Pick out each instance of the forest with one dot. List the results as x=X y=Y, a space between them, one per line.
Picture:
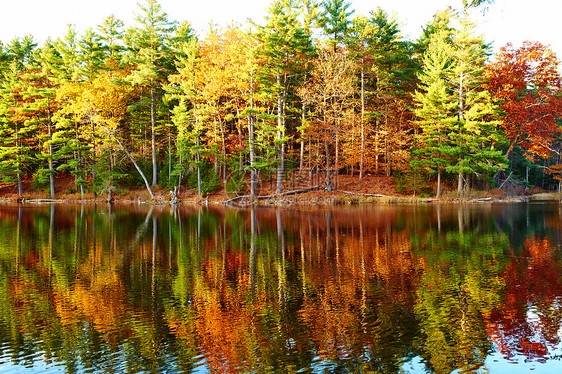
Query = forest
x=311 y=92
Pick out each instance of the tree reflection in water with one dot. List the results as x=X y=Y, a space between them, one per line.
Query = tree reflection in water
x=135 y=289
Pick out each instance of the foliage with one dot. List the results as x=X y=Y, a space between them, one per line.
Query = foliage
x=526 y=82
x=309 y=86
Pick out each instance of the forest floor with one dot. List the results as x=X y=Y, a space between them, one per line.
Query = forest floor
x=347 y=190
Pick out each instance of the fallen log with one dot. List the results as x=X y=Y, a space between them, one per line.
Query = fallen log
x=481 y=199
x=288 y=193
x=39 y=201
x=363 y=193
x=226 y=202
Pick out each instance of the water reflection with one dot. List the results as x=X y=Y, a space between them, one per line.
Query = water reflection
x=383 y=289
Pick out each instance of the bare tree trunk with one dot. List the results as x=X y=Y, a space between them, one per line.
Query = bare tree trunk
x=280 y=136
x=362 y=156
x=301 y=163
x=169 y=155
x=51 y=164
x=216 y=163
x=223 y=144
x=132 y=160
x=18 y=166
x=153 y=135
x=78 y=157
x=388 y=154
x=252 y=142
x=438 y=194
x=198 y=155
x=377 y=148
x=337 y=164
x=93 y=158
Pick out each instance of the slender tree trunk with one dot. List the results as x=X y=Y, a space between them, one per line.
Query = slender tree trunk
x=362 y=155
x=93 y=158
x=215 y=131
x=132 y=160
x=512 y=145
x=387 y=152
x=240 y=136
x=438 y=194
x=301 y=163
x=153 y=134
x=461 y=97
x=328 y=178
x=377 y=127
x=110 y=160
x=18 y=166
x=377 y=148
x=198 y=155
x=280 y=136
x=78 y=168
x=223 y=151
x=51 y=163
x=252 y=144
x=337 y=163
x=198 y=139
x=461 y=118
x=199 y=191
x=169 y=155
x=180 y=173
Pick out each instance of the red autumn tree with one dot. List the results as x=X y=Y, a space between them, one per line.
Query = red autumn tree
x=527 y=83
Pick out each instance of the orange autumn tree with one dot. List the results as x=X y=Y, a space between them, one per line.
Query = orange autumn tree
x=527 y=83
x=329 y=91
x=221 y=103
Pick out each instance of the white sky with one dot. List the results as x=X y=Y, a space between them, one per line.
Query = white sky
x=505 y=21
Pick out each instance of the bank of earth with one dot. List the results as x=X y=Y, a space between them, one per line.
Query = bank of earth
x=345 y=190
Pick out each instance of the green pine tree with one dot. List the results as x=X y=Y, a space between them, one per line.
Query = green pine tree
x=149 y=55
x=474 y=136
x=457 y=116
x=41 y=95
x=335 y=21
x=285 y=46
x=435 y=106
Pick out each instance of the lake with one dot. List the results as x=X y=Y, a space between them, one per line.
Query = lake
x=361 y=289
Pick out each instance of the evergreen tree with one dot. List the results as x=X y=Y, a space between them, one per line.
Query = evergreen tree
x=71 y=148
x=335 y=20
x=20 y=51
x=13 y=143
x=10 y=150
x=457 y=115
x=435 y=107
x=474 y=137
x=41 y=94
x=91 y=57
x=441 y=22
x=184 y=88
x=284 y=46
x=149 y=56
x=111 y=37
x=393 y=79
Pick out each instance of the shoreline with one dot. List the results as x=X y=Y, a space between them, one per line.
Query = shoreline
x=289 y=198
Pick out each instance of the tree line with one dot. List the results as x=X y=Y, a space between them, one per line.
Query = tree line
x=313 y=88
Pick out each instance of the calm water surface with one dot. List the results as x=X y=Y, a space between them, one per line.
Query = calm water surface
x=383 y=289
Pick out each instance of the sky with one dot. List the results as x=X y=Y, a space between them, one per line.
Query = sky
x=505 y=20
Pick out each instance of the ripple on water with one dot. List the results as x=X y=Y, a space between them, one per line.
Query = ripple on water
x=32 y=363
